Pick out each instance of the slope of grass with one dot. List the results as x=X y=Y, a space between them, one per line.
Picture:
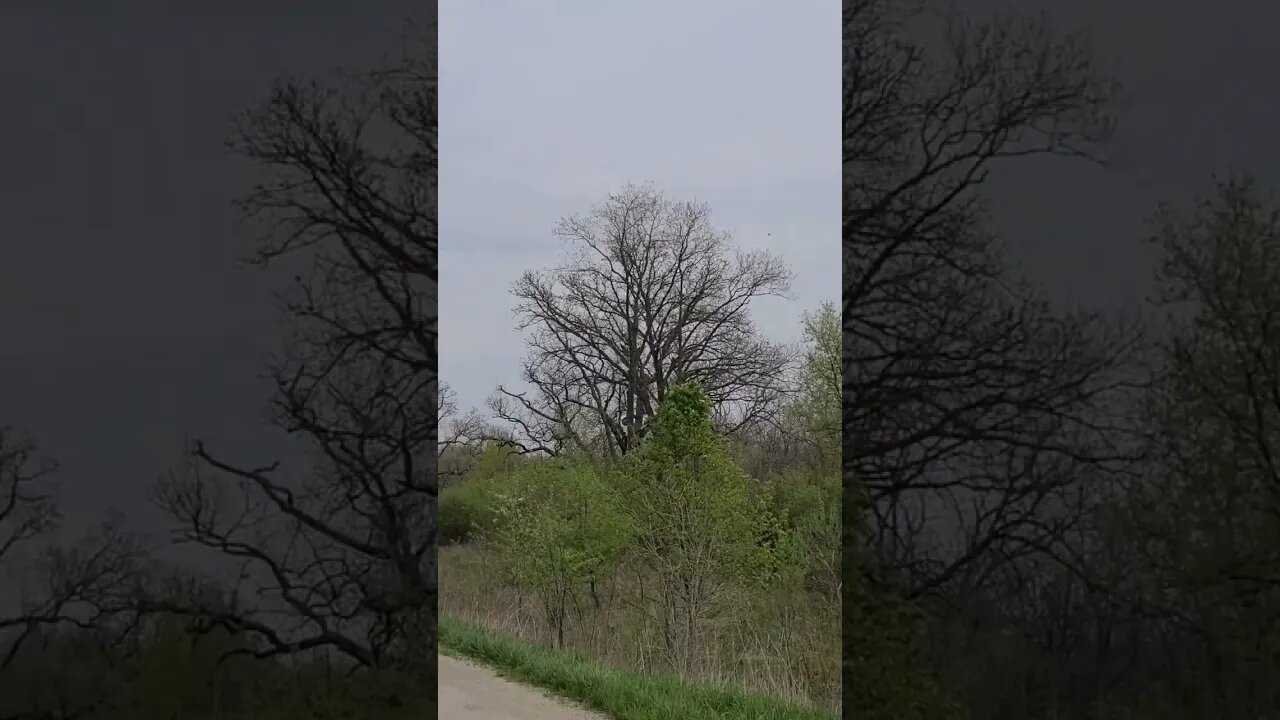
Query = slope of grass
x=620 y=695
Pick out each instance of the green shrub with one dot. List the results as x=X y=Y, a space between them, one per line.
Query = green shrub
x=809 y=503
x=466 y=510
x=560 y=527
x=703 y=527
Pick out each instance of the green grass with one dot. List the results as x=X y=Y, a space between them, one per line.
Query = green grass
x=619 y=695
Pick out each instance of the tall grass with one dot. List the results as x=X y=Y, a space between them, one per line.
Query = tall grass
x=620 y=694
x=786 y=645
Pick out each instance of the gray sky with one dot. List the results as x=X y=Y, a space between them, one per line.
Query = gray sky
x=546 y=108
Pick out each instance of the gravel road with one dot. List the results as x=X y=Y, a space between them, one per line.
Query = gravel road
x=472 y=692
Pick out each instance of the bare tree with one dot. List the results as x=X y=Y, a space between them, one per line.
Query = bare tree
x=649 y=297
x=461 y=437
x=27 y=507
x=346 y=547
x=86 y=594
x=964 y=393
x=983 y=428
x=27 y=511
x=353 y=199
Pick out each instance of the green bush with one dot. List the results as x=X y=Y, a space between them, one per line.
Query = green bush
x=466 y=510
x=560 y=527
x=703 y=527
x=809 y=503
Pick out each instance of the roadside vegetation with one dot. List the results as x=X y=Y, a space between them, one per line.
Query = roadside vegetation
x=617 y=694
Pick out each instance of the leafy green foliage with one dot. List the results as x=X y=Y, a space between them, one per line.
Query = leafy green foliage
x=466 y=510
x=702 y=526
x=817 y=406
x=558 y=525
x=703 y=568
x=497 y=458
x=809 y=505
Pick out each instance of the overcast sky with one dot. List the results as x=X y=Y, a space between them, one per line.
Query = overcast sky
x=125 y=324
x=544 y=112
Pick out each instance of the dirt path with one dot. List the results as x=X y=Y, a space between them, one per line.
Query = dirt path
x=472 y=692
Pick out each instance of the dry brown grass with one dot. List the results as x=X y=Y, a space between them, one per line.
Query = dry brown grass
x=787 y=646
